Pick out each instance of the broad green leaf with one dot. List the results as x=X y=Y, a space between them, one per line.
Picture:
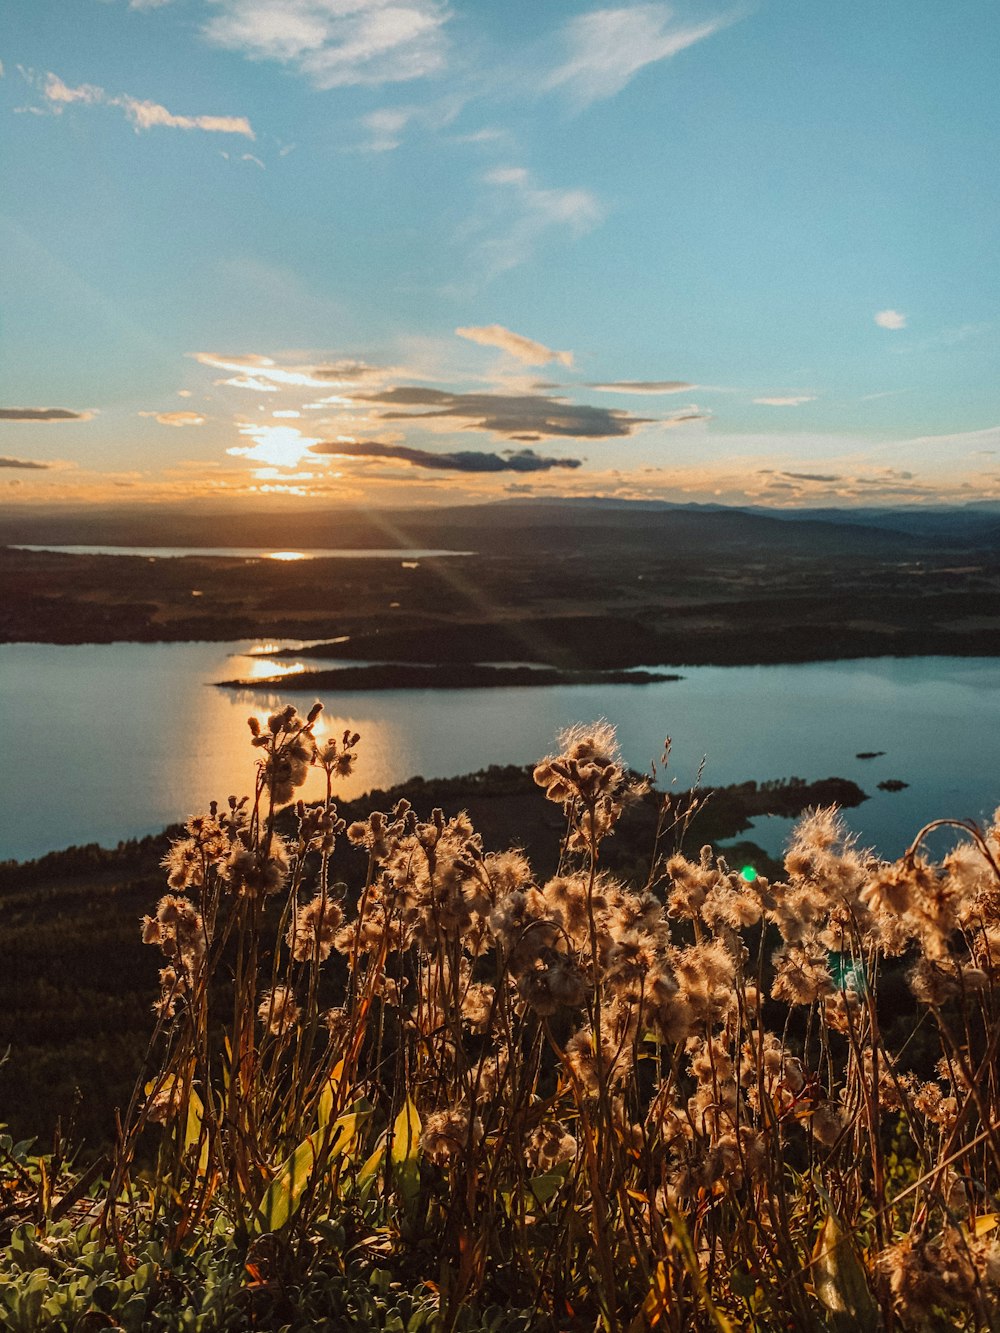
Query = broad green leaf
x=284 y=1194
x=343 y=1134
x=193 y=1130
x=328 y=1095
x=325 y=1108
x=840 y=1280
x=405 y=1150
x=657 y=1301
x=195 y=1116
x=370 y=1169
x=543 y=1188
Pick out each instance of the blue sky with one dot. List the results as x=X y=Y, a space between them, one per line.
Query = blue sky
x=409 y=251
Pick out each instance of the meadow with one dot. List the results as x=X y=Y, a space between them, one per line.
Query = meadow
x=398 y=1078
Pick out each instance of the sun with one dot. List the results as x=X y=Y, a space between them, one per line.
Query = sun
x=274 y=446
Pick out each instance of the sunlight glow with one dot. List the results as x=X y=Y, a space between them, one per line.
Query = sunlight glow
x=266 y=668
x=277 y=446
x=287 y=555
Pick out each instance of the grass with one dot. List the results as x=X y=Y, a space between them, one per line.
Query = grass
x=448 y=1093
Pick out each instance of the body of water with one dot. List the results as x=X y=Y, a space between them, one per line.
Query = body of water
x=116 y=740
x=249 y=552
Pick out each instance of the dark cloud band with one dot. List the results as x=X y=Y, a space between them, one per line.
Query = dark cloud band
x=42 y=414
x=24 y=463
x=512 y=415
x=466 y=460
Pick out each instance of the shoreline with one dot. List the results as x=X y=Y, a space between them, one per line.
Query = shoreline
x=724 y=813
x=986 y=645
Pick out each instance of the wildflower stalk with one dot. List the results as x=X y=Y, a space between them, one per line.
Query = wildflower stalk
x=624 y=1106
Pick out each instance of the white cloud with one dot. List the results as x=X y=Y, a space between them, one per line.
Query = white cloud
x=644 y=386
x=337 y=43
x=515 y=344
x=57 y=92
x=260 y=373
x=176 y=418
x=386 y=128
x=388 y=125
x=144 y=115
x=609 y=46
x=527 y=213
x=786 y=402
x=890 y=319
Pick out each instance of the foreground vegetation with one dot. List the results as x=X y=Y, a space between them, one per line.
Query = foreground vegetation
x=463 y=1095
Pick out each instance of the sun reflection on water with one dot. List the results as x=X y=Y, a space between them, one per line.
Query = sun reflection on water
x=265 y=668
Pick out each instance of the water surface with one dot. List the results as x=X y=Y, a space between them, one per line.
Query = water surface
x=250 y=552
x=116 y=740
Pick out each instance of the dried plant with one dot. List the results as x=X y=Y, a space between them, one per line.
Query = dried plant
x=705 y=1101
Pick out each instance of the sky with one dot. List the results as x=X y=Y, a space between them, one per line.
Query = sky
x=387 y=252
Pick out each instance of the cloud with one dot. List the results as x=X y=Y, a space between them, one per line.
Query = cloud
x=643 y=386
x=511 y=415
x=144 y=115
x=527 y=213
x=812 y=476
x=29 y=464
x=386 y=128
x=348 y=372
x=786 y=402
x=43 y=414
x=388 y=125
x=337 y=43
x=515 y=344
x=263 y=374
x=176 y=418
x=57 y=92
x=890 y=319
x=466 y=460
x=607 y=48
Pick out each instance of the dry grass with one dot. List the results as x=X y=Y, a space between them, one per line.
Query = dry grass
x=692 y=1103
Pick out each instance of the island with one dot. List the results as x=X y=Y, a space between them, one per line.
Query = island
x=451 y=676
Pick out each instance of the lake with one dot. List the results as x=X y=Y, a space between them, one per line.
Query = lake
x=112 y=741
x=249 y=552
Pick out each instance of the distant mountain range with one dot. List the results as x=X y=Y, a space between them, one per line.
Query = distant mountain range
x=558 y=522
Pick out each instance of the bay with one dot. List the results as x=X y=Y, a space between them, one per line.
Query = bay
x=111 y=741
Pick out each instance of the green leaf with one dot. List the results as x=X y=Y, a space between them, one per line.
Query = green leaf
x=328 y=1094
x=543 y=1188
x=284 y=1194
x=325 y=1108
x=840 y=1279
x=370 y=1169
x=405 y=1150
